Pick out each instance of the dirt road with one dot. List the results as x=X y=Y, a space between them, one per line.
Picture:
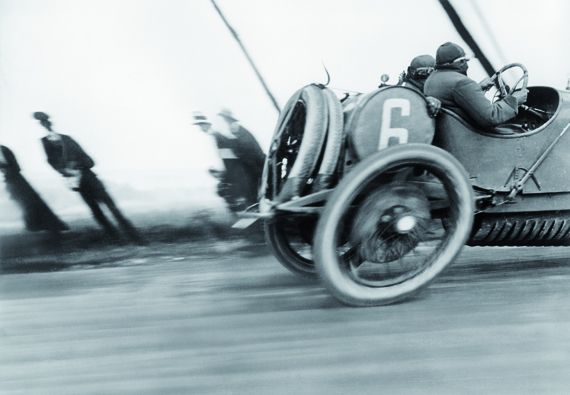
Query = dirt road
x=166 y=320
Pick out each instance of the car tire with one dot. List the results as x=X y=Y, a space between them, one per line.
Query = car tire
x=279 y=240
x=334 y=272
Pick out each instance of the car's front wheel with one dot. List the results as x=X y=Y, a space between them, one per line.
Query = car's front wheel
x=380 y=239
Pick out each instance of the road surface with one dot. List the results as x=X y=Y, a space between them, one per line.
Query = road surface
x=170 y=319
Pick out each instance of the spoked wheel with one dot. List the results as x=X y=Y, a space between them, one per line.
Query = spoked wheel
x=390 y=222
x=290 y=240
x=380 y=239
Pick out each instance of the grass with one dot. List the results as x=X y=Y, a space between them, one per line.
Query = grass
x=203 y=233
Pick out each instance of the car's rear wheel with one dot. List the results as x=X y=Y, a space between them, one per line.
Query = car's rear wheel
x=290 y=241
x=309 y=125
x=379 y=239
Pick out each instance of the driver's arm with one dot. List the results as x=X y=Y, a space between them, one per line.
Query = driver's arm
x=469 y=96
x=487 y=83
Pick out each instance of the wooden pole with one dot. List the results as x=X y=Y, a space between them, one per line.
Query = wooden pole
x=466 y=36
x=248 y=57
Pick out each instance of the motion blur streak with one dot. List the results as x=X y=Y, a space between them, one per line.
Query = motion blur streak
x=164 y=322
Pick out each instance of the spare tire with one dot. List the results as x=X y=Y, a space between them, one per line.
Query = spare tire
x=334 y=140
x=296 y=146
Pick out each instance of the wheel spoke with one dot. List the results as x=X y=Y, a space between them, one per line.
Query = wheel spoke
x=353 y=258
x=388 y=253
x=392 y=225
x=290 y=246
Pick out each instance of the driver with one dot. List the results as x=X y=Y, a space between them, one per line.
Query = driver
x=459 y=93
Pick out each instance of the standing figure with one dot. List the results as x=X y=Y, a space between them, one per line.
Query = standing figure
x=246 y=148
x=37 y=215
x=67 y=157
x=236 y=184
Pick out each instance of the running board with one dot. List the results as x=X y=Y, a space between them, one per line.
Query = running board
x=299 y=205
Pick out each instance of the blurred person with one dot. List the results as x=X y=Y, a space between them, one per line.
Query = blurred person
x=235 y=185
x=247 y=148
x=36 y=213
x=67 y=157
x=464 y=96
x=418 y=71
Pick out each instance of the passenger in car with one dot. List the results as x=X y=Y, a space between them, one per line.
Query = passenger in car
x=464 y=96
x=418 y=71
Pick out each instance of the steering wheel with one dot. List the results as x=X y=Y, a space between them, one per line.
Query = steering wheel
x=502 y=87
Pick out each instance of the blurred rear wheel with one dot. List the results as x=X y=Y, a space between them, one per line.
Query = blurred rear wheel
x=290 y=241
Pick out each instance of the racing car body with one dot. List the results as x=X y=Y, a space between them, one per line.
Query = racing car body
x=379 y=204
x=494 y=161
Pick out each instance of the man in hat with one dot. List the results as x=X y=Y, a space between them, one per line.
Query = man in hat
x=247 y=148
x=418 y=71
x=236 y=185
x=459 y=93
x=67 y=157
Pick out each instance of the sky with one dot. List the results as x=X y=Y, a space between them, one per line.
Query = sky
x=123 y=76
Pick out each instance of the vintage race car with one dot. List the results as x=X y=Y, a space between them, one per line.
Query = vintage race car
x=378 y=193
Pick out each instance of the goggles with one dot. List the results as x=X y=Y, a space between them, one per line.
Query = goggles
x=423 y=71
x=463 y=59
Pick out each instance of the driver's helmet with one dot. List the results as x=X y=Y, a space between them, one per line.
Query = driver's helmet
x=421 y=67
x=449 y=53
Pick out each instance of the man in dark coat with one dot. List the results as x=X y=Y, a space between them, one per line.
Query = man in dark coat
x=67 y=157
x=247 y=148
x=36 y=213
x=457 y=92
x=418 y=71
x=236 y=183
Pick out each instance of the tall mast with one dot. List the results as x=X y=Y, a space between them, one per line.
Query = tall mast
x=248 y=57
x=466 y=36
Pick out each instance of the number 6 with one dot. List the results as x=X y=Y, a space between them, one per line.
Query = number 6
x=386 y=131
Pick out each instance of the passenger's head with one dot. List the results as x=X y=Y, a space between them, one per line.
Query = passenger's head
x=452 y=56
x=421 y=67
x=202 y=121
x=43 y=118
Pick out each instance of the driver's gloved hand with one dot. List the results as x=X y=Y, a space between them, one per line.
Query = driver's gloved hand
x=487 y=83
x=521 y=96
